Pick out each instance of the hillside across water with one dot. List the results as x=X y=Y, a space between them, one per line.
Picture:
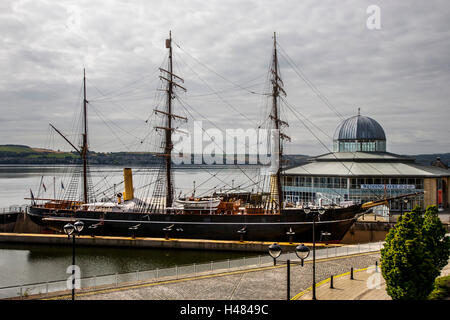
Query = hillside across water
x=21 y=154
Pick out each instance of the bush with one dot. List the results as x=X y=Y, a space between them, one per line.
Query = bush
x=441 y=289
x=414 y=254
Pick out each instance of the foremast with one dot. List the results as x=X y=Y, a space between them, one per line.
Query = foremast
x=276 y=192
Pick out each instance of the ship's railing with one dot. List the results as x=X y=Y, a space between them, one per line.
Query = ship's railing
x=14 y=208
x=47 y=289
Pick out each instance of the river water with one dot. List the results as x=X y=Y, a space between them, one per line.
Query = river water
x=23 y=264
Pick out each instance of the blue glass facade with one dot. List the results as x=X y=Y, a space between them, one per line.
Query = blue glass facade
x=307 y=189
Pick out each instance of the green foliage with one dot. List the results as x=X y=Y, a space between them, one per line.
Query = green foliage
x=413 y=255
x=441 y=289
x=434 y=236
x=15 y=148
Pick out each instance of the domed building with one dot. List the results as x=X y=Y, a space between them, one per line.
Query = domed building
x=360 y=170
x=359 y=133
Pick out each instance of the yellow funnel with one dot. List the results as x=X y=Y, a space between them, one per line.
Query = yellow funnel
x=128 y=182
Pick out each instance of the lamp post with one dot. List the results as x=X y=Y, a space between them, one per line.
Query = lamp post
x=406 y=204
x=302 y=253
x=73 y=229
x=315 y=213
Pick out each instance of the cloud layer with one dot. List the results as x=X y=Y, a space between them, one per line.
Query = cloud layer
x=399 y=75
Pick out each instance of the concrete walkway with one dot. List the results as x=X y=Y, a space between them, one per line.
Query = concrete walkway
x=260 y=283
x=367 y=284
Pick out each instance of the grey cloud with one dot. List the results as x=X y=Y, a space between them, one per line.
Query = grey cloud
x=398 y=75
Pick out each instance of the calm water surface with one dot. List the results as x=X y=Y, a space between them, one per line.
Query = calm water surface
x=22 y=264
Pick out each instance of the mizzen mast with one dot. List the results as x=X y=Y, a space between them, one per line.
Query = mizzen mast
x=84 y=147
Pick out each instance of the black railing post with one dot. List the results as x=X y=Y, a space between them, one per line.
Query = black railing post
x=73 y=267
x=288 y=279
x=314 y=256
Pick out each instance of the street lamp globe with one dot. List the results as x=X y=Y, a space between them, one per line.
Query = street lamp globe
x=274 y=250
x=302 y=251
x=68 y=229
x=79 y=225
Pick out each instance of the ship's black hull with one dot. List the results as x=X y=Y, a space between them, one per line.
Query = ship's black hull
x=9 y=217
x=268 y=227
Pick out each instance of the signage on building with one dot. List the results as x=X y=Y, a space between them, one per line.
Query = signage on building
x=388 y=186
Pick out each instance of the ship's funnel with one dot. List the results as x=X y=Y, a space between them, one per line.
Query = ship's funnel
x=128 y=182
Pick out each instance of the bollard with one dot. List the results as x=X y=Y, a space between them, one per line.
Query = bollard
x=376 y=266
x=331 y=282
x=117 y=279
x=351 y=273
x=195 y=269
x=288 y=279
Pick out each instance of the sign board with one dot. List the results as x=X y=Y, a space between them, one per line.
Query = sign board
x=388 y=186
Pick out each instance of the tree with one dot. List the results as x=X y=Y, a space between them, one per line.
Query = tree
x=407 y=263
x=434 y=237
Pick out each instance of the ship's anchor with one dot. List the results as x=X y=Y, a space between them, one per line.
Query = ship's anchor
x=290 y=233
x=134 y=228
x=325 y=236
x=242 y=232
x=93 y=227
x=167 y=230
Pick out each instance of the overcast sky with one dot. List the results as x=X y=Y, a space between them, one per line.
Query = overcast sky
x=398 y=75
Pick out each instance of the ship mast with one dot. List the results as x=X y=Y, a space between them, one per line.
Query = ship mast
x=277 y=87
x=169 y=77
x=84 y=147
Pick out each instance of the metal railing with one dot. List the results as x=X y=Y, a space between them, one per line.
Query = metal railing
x=114 y=280
x=14 y=208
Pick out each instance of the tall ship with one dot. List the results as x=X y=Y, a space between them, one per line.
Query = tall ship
x=262 y=215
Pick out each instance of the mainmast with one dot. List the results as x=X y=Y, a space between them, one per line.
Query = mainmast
x=170 y=77
x=277 y=87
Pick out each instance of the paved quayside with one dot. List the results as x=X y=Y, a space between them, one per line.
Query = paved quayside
x=258 y=283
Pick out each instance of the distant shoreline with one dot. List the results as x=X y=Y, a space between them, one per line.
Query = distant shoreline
x=25 y=155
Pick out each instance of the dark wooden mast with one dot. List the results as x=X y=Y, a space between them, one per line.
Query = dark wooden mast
x=170 y=77
x=84 y=147
x=169 y=146
x=277 y=87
